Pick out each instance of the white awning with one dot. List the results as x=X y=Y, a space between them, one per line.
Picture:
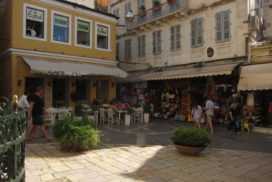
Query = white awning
x=205 y=70
x=256 y=77
x=66 y=68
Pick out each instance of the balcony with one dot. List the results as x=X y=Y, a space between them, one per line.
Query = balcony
x=157 y=13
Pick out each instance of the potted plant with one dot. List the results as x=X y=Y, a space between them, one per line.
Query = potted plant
x=142 y=10
x=171 y=2
x=128 y=116
x=147 y=110
x=190 y=140
x=157 y=6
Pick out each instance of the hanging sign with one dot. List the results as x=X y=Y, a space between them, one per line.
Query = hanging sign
x=61 y=21
x=34 y=14
x=102 y=30
x=83 y=26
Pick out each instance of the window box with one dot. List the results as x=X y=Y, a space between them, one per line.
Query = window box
x=157 y=8
x=142 y=13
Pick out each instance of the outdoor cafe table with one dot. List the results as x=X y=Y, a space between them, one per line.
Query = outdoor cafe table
x=119 y=115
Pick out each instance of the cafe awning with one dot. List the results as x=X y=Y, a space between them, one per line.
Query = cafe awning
x=201 y=70
x=256 y=77
x=69 y=68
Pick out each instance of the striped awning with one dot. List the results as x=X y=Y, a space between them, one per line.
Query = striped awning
x=256 y=77
x=191 y=72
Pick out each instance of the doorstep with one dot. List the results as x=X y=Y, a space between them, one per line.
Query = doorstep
x=262 y=130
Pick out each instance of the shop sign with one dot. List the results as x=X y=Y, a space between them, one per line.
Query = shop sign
x=83 y=26
x=56 y=72
x=102 y=30
x=61 y=21
x=34 y=14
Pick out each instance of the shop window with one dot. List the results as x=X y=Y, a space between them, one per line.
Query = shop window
x=83 y=32
x=81 y=89
x=61 y=28
x=34 y=22
x=102 y=36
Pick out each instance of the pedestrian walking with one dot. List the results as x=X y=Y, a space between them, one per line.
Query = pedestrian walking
x=197 y=113
x=235 y=115
x=36 y=111
x=209 y=111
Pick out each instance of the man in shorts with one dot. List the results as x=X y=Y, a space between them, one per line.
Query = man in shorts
x=35 y=112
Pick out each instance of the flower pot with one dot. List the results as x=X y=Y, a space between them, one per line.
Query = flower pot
x=146 y=117
x=157 y=8
x=188 y=150
x=127 y=120
x=142 y=13
x=171 y=2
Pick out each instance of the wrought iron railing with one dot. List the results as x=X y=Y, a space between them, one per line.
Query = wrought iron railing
x=156 y=13
x=13 y=126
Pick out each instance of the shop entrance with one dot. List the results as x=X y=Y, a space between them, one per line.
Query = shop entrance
x=103 y=90
x=263 y=112
x=59 y=92
x=32 y=83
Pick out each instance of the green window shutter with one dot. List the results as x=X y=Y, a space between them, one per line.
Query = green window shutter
x=226 y=25
x=139 y=47
x=199 y=31
x=172 y=38
x=218 y=19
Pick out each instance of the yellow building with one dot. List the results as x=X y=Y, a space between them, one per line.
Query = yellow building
x=66 y=48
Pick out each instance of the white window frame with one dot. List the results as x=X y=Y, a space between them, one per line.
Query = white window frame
x=53 y=12
x=202 y=32
x=90 y=22
x=45 y=22
x=222 y=26
x=109 y=37
x=157 y=42
x=175 y=39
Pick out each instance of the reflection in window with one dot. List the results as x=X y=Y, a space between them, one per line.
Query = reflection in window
x=102 y=37
x=34 y=23
x=61 y=28
x=83 y=33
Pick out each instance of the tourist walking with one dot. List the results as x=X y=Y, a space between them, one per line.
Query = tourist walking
x=209 y=108
x=36 y=111
x=235 y=115
x=197 y=113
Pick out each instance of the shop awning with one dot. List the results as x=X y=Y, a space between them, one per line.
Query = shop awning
x=65 y=68
x=256 y=77
x=132 y=77
x=191 y=72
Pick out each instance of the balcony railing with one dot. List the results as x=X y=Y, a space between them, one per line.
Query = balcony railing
x=156 y=13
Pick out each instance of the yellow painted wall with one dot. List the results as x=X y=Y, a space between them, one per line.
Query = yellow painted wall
x=5 y=31
x=261 y=54
x=47 y=46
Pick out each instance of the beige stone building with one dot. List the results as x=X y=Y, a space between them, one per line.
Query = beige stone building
x=182 y=43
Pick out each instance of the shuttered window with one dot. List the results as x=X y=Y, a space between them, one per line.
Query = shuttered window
x=116 y=12
x=157 y=42
x=127 y=8
x=222 y=23
x=118 y=51
x=197 y=29
x=141 y=46
x=175 y=38
x=127 y=49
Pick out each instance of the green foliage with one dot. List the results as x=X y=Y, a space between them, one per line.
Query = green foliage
x=190 y=136
x=80 y=138
x=79 y=110
x=130 y=110
x=76 y=135
x=157 y=3
x=147 y=108
x=142 y=8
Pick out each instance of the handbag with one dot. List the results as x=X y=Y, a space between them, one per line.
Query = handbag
x=190 y=117
x=202 y=120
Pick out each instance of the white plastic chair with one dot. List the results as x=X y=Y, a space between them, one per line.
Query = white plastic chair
x=138 y=115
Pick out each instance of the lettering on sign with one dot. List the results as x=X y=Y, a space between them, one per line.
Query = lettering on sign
x=34 y=14
x=62 y=73
x=102 y=30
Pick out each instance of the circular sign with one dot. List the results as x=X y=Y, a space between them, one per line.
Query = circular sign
x=210 y=52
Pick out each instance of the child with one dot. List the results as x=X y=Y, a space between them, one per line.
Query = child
x=197 y=113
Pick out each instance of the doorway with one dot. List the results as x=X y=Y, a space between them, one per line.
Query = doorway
x=59 y=92
x=32 y=83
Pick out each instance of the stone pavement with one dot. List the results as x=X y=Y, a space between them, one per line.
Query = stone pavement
x=144 y=154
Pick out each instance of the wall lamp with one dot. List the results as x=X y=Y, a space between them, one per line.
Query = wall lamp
x=49 y=83
x=94 y=84
x=112 y=84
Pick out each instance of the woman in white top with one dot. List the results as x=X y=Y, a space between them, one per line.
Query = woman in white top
x=23 y=102
x=197 y=113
